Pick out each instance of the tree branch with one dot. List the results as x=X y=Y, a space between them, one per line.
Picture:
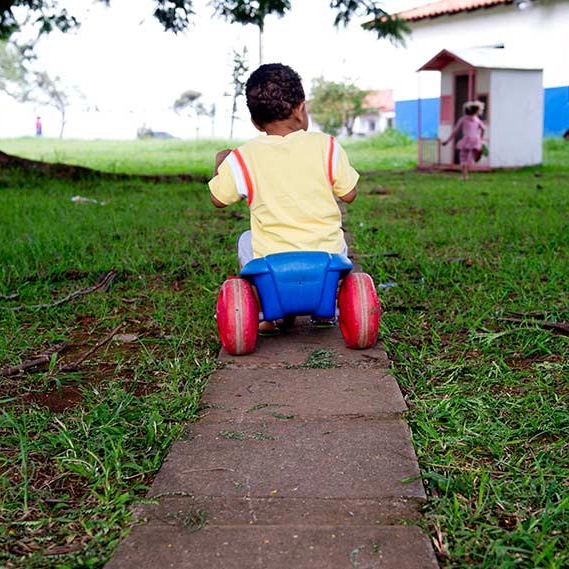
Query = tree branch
x=41 y=359
x=45 y=357
x=561 y=327
x=75 y=365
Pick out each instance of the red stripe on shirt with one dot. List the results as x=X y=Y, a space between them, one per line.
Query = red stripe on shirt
x=330 y=161
x=246 y=175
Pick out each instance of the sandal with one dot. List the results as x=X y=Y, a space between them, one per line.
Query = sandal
x=268 y=328
x=323 y=322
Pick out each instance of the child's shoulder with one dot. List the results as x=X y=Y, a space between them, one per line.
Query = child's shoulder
x=319 y=134
x=317 y=137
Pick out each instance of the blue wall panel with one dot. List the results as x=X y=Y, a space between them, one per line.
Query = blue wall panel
x=407 y=121
x=556 y=111
x=555 y=114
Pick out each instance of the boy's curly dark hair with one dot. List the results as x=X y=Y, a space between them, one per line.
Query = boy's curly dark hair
x=273 y=91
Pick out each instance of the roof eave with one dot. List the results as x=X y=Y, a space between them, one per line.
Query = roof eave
x=435 y=63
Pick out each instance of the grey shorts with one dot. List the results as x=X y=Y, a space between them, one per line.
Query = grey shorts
x=245 y=248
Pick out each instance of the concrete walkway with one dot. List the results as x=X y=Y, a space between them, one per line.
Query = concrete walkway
x=301 y=459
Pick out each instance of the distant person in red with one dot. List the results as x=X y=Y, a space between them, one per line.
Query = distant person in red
x=38 y=126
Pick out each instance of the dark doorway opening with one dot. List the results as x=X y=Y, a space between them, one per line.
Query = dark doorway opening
x=460 y=97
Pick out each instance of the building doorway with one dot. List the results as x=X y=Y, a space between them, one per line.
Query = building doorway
x=461 y=90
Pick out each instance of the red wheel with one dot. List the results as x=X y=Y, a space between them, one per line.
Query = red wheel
x=360 y=311
x=237 y=316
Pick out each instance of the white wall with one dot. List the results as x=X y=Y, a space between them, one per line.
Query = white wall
x=539 y=34
x=515 y=127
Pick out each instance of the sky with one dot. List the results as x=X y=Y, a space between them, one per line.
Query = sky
x=127 y=71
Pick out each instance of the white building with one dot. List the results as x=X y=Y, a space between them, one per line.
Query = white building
x=380 y=115
x=512 y=94
x=537 y=35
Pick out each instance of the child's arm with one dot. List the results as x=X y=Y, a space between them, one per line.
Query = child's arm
x=350 y=196
x=454 y=132
x=216 y=202
x=219 y=158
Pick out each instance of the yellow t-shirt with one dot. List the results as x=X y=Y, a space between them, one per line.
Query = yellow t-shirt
x=290 y=183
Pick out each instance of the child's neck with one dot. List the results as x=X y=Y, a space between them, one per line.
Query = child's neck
x=282 y=128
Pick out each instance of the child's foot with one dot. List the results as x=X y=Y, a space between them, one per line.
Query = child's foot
x=318 y=322
x=268 y=328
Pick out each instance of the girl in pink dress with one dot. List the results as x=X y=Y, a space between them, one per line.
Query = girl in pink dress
x=472 y=130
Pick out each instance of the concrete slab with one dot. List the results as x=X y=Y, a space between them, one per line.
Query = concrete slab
x=353 y=458
x=238 y=395
x=270 y=547
x=233 y=511
x=298 y=345
x=301 y=459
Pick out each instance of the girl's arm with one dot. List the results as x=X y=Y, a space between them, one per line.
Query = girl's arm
x=454 y=132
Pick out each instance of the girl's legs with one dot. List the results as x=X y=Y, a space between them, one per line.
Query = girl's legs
x=465 y=160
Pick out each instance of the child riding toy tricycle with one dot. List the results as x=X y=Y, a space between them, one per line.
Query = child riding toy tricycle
x=311 y=283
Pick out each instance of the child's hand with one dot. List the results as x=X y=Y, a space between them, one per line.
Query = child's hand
x=219 y=158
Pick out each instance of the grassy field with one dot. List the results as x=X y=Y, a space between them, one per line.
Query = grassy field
x=472 y=276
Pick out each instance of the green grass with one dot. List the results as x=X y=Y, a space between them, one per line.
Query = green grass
x=471 y=273
x=489 y=396
x=145 y=156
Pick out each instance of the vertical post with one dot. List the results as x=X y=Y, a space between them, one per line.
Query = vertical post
x=419 y=144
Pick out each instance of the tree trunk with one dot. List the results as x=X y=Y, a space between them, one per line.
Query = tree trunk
x=62 y=124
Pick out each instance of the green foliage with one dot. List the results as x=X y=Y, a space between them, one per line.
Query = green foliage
x=186 y=100
x=47 y=15
x=50 y=91
x=382 y=23
x=247 y=12
x=334 y=106
x=239 y=81
x=13 y=70
x=176 y=15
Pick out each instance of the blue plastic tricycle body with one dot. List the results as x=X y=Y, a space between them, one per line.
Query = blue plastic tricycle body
x=297 y=283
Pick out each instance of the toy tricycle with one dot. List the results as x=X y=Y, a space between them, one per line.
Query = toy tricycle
x=297 y=284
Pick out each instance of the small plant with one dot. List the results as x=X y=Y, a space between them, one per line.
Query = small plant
x=192 y=520
x=321 y=359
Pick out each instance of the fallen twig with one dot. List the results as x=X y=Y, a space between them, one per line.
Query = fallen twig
x=103 y=283
x=45 y=357
x=534 y=315
x=561 y=327
x=9 y=296
x=41 y=359
x=75 y=365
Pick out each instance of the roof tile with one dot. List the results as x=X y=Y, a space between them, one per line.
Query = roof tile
x=446 y=7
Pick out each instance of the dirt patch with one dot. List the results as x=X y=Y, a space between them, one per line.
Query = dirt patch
x=56 y=400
